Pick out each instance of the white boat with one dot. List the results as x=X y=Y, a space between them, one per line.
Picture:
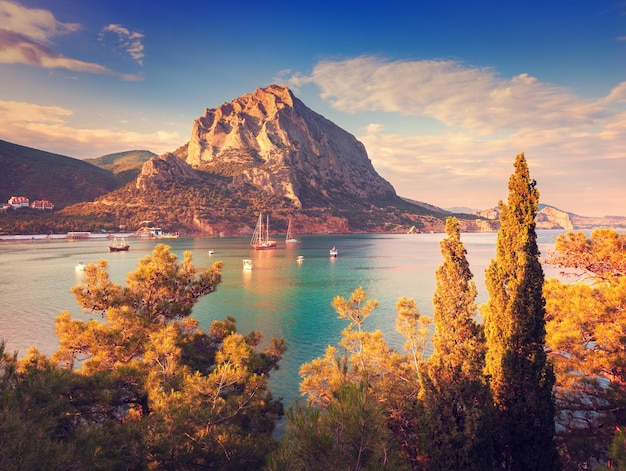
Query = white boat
x=290 y=238
x=211 y=252
x=333 y=252
x=247 y=264
x=167 y=235
x=80 y=266
x=300 y=259
x=261 y=237
x=78 y=235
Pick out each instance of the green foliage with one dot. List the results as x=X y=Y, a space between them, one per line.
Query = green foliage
x=123 y=161
x=458 y=415
x=362 y=400
x=126 y=166
x=585 y=336
x=44 y=420
x=602 y=257
x=520 y=375
x=350 y=434
x=143 y=388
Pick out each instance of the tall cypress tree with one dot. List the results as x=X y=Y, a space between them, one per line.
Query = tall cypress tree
x=457 y=400
x=521 y=377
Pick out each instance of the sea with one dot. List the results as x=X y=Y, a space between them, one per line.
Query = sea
x=280 y=297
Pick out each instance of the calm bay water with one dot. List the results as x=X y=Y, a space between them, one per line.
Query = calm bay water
x=280 y=297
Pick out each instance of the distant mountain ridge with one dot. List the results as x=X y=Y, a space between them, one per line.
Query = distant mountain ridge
x=262 y=152
x=549 y=217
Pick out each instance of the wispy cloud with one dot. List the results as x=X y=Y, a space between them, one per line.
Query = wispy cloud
x=47 y=127
x=486 y=120
x=26 y=37
x=129 y=41
x=455 y=94
x=37 y=24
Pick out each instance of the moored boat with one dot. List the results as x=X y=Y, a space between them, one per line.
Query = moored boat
x=290 y=239
x=80 y=266
x=247 y=264
x=300 y=259
x=118 y=245
x=261 y=237
x=168 y=235
x=73 y=235
x=333 y=252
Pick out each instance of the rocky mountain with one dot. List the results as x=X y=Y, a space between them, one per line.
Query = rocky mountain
x=164 y=169
x=549 y=217
x=263 y=152
x=270 y=139
x=267 y=152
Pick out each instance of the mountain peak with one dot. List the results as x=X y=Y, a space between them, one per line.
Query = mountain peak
x=281 y=92
x=270 y=139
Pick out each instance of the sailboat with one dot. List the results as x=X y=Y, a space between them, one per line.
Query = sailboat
x=118 y=245
x=290 y=239
x=261 y=237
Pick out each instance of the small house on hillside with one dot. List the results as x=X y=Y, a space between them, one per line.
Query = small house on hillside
x=18 y=202
x=42 y=205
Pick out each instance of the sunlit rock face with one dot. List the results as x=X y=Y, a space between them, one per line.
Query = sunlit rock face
x=552 y=218
x=271 y=139
x=165 y=168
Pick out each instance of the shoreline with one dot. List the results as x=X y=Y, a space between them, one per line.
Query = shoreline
x=46 y=237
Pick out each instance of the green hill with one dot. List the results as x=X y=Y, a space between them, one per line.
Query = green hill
x=126 y=166
x=60 y=179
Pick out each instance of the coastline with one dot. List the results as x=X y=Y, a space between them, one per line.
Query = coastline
x=46 y=237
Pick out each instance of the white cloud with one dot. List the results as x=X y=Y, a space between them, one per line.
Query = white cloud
x=617 y=95
x=36 y=24
x=374 y=128
x=129 y=41
x=46 y=128
x=574 y=146
x=26 y=38
x=457 y=95
x=18 y=49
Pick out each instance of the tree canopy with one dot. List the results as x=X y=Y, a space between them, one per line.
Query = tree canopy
x=143 y=387
x=521 y=378
x=586 y=331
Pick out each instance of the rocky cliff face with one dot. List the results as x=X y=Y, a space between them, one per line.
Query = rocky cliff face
x=165 y=168
x=552 y=218
x=271 y=139
x=549 y=217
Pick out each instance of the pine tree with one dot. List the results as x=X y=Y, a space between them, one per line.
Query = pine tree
x=456 y=396
x=585 y=339
x=161 y=393
x=520 y=376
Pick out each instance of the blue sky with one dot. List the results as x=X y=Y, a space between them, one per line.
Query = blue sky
x=443 y=94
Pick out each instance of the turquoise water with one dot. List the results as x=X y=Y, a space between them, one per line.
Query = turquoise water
x=279 y=297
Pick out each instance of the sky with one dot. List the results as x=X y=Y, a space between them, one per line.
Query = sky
x=443 y=94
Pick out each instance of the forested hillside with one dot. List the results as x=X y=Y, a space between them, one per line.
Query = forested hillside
x=42 y=175
x=124 y=165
